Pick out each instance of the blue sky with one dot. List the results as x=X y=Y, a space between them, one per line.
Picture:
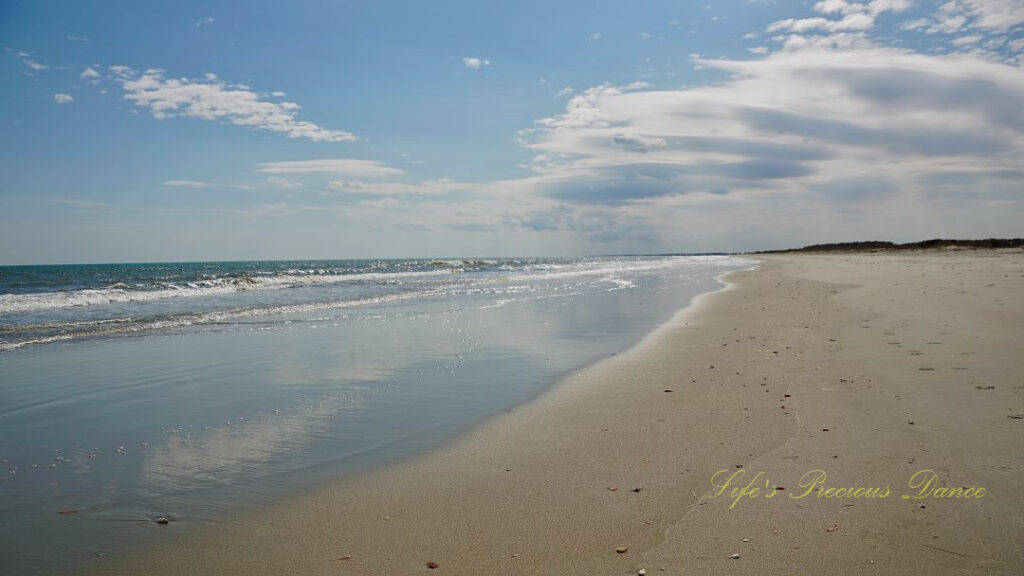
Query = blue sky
x=138 y=131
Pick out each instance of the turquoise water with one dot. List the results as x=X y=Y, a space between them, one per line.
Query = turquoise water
x=192 y=391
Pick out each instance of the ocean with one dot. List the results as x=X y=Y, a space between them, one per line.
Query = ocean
x=134 y=393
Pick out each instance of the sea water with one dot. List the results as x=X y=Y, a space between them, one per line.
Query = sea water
x=190 y=391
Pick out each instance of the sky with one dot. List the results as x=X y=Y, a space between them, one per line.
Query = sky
x=157 y=131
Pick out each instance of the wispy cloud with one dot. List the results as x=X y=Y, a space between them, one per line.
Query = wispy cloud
x=204 y=22
x=567 y=91
x=195 y=184
x=77 y=38
x=798 y=128
x=844 y=24
x=283 y=183
x=348 y=167
x=63 y=98
x=853 y=16
x=90 y=75
x=430 y=187
x=199 y=184
x=998 y=15
x=474 y=63
x=213 y=99
x=974 y=19
x=88 y=204
x=32 y=64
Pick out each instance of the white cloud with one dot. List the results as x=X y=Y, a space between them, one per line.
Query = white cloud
x=637 y=143
x=475 y=63
x=73 y=202
x=90 y=75
x=205 y=22
x=855 y=21
x=63 y=98
x=855 y=18
x=878 y=6
x=594 y=37
x=994 y=14
x=77 y=38
x=564 y=92
x=198 y=184
x=430 y=187
x=187 y=184
x=348 y=167
x=954 y=16
x=122 y=72
x=967 y=40
x=381 y=203
x=916 y=24
x=35 y=66
x=951 y=18
x=873 y=7
x=834 y=6
x=760 y=50
x=791 y=135
x=215 y=100
x=283 y=183
x=831 y=136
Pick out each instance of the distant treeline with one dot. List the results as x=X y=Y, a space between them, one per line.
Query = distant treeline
x=878 y=246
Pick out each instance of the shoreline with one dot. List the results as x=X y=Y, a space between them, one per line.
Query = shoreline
x=771 y=373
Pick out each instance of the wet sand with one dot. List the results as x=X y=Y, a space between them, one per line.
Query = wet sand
x=869 y=367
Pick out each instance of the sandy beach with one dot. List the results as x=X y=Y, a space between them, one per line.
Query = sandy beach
x=869 y=368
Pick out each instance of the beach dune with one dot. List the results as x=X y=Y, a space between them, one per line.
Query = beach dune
x=804 y=376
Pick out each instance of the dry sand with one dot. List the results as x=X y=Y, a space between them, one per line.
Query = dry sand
x=910 y=361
